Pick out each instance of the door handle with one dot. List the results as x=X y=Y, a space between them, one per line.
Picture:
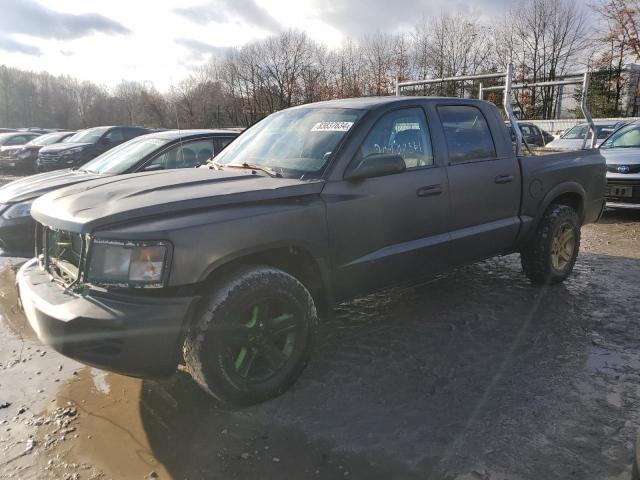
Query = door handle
x=429 y=191
x=504 y=179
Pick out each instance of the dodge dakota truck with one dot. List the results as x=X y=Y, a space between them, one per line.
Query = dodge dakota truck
x=227 y=268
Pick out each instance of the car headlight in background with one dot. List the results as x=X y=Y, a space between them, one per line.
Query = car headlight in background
x=17 y=210
x=71 y=151
x=115 y=262
x=24 y=154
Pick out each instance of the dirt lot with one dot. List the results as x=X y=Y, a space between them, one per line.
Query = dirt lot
x=475 y=375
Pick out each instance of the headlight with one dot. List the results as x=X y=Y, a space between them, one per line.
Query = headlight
x=23 y=155
x=17 y=210
x=71 y=151
x=120 y=263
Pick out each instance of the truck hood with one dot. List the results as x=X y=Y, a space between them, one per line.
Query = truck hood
x=621 y=156
x=569 y=143
x=60 y=147
x=36 y=185
x=107 y=201
x=11 y=148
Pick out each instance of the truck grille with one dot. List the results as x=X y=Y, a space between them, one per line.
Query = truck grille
x=45 y=158
x=63 y=254
x=631 y=168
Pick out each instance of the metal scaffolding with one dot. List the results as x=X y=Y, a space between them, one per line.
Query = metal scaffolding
x=508 y=88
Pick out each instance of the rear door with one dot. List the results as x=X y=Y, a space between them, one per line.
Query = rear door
x=484 y=183
x=391 y=229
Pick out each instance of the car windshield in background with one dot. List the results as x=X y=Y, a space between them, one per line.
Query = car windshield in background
x=579 y=131
x=123 y=157
x=626 y=137
x=91 y=135
x=47 y=139
x=4 y=137
x=295 y=143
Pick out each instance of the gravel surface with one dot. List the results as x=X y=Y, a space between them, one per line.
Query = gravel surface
x=474 y=375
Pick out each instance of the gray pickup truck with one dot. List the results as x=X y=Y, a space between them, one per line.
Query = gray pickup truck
x=228 y=267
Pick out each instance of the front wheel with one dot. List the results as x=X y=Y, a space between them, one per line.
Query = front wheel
x=552 y=252
x=253 y=337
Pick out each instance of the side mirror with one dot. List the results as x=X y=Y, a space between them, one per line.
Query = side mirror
x=105 y=141
x=153 y=167
x=377 y=165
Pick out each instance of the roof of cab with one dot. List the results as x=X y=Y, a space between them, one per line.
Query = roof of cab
x=371 y=103
x=176 y=134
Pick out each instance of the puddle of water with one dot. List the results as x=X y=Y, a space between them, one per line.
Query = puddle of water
x=9 y=310
x=111 y=435
x=100 y=381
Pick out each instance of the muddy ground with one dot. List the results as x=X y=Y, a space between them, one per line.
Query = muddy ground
x=475 y=375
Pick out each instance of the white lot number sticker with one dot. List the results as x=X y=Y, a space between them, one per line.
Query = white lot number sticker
x=332 y=126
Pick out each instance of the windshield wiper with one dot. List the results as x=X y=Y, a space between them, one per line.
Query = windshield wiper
x=251 y=166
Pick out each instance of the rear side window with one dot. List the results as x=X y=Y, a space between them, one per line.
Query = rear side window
x=130 y=133
x=186 y=155
x=115 y=135
x=467 y=132
x=221 y=142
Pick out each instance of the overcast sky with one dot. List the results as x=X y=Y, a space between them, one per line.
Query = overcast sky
x=158 y=40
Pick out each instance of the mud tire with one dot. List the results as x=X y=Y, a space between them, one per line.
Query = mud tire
x=536 y=257
x=206 y=356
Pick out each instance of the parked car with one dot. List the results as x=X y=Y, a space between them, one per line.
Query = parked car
x=158 y=151
x=573 y=138
x=23 y=157
x=84 y=146
x=622 y=154
x=533 y=135
x=225 y=267
x=7 y=130
x=10 y=139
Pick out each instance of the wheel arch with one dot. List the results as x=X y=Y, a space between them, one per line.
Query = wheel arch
x=571 y=194
x=296 y=260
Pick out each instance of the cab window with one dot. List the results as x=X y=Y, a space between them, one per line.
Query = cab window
x=467 y=132
x=403 y=132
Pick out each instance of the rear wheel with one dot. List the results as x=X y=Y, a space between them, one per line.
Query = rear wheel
x=552 y=252
x=254 y=336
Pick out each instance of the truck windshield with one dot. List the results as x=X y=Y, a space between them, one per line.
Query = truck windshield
x=295 y=143
x=47 y=139
x=91 y=135
x=123 y=157
x=579 y=131
x=626 y=137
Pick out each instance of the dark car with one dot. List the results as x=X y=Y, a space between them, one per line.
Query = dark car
x=225 y=267
x=158 y=151
x=533 y=135
x=84 y=146
x=39 y=130
x=23 y=157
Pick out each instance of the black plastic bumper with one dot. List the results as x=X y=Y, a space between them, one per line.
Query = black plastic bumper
x=133 y=335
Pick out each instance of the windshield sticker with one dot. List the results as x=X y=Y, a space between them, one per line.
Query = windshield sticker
x=332 y=126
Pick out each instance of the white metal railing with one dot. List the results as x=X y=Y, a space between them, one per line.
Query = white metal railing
x=509 y=86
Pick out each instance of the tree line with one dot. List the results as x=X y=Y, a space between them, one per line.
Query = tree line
x=543 y=39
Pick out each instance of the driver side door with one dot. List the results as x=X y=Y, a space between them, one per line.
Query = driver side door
x=390 y=229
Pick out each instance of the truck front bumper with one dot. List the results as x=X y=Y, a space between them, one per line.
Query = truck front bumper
x=134 y=335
